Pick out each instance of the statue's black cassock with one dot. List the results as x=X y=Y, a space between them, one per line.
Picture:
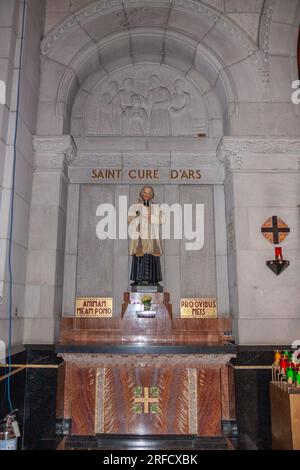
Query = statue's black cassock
x=146 y=270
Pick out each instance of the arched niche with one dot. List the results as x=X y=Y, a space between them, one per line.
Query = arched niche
x=189 y=36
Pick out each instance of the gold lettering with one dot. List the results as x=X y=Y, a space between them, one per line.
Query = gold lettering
x=132 y=174
x=198 y=307
x=94 y=307
x=184 y=174
x=108 y=173
x=174 y=174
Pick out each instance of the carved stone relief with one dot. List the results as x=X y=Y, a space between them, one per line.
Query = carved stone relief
x=146 y=100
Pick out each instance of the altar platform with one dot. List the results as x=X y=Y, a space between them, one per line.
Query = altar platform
x=149 y=377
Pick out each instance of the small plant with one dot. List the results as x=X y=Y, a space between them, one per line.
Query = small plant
x=146 y=301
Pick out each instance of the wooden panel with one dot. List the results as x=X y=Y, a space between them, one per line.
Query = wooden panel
x=227 y=393
x=119 y=417
x=295 y=420
x=285 y=418
x=156 y=328
x=209 y=402
x=182 y=424
x=101 y=400
x=162 y=328
x=83 y=400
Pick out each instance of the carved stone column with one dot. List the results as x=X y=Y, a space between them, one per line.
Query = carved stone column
x=45 y=263
x=262 y=180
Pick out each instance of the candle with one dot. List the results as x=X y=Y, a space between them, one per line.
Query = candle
x=283 y=364
x=290 y=375
x=277 y=357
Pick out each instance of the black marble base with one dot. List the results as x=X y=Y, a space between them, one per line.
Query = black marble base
x=253 y=395
x=137 y=442
x=33 y=393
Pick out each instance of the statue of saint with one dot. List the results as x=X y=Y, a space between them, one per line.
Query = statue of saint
x=146 y=248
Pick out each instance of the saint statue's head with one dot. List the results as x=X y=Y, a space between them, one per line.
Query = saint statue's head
x=147 y=193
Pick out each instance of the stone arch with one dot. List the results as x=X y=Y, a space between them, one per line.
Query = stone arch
x=187 y=35
x=216 y=85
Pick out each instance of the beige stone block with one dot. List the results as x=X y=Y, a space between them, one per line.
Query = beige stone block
x=52 y=73
x=285 y=11
x=224 y=45
x=111 y=21
x=40 y=330
x=57 y=6
x=52 y=20
x=7 y=12
x=17 y=331
x=140 y=16
x=48 y=122
x=249 y=22
x=243 y=6
x=41 y=267
x=147 y=47
x=44 y=228
x=267 y=331
x=280 y=39
x=69 y=290
x=7 y=42
x=184 y=20
x=46 y=189
x=246 y=80
x=178 y=53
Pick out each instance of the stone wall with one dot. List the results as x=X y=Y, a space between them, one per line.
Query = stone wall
x=262 y=180
x=10 y=32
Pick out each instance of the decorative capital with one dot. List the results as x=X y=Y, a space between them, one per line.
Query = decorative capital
x=229 y=157
x=54 y=144
x=241 y=153
x=246 y=146
x=53 y=152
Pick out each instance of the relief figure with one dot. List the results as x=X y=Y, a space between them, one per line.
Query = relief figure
x=134 y=118
x=159 y=100
x=182 y=122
